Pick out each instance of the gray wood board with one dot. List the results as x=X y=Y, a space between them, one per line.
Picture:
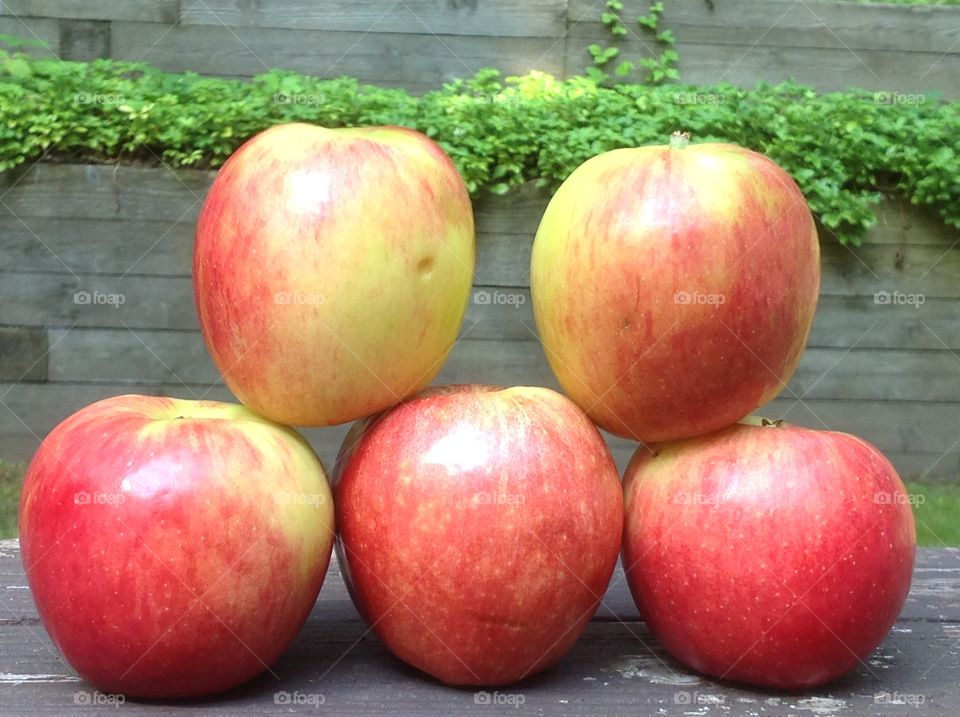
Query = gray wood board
x=147 y=356
x=37 y=30
x=160 y=11
x=416 y=62
x=920 y=438
x=809 y=25
x=615 y=668
x=826 y=69
x=533 y=18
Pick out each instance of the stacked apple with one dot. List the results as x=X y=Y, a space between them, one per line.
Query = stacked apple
x=674 y=288
x=175 y=548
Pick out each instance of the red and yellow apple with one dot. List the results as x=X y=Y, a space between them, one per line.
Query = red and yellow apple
x=332 y=269
x=674 y=286
x=478 y=529
x=768 y=554
x=174 y=548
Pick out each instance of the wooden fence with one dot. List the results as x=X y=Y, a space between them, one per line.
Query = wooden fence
x=96 y=300
x=418 y=44
x=74 y=236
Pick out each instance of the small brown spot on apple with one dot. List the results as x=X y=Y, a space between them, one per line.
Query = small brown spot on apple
x=425 y=265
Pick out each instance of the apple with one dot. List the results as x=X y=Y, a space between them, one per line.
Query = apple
x=768 y=554
x=478 y=529
x=174 y=548
x=332 y=269
x=674 y=286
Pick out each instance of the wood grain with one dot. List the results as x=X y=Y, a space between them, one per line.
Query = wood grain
x=160 y=11
x=616 y=668
x=499 y=18
x=378 y=55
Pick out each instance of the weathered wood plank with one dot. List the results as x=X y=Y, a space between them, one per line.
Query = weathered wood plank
x=919 y=437
x=90 y=191
x=130 y=356
x=381 y=57
x=616 y=668
x=782 y=23
x=902 y=223
x=33 y=29
x=23 y=353
x=96 y=246
x=494 y=312
x=84 y=40
x=893 y=426
x=911 y=276
x=162 y=11
x=825 y=69
x=930 y=270
x=107 y=300
x=56 y=192
x=28 y=411
x=934 y=592
x=82 y=355
x=156 y=247
x=516 y=212
x=499 y=18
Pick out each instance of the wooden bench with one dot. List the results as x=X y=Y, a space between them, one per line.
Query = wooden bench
x=337 y=666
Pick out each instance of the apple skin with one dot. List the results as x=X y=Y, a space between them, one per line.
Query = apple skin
x=173 y=548
x=478 y=529
x=771 y=555
x=332 y=269
x=699 y=262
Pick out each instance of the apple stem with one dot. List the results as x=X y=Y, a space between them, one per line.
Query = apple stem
x=679 y=140
x=775 y=423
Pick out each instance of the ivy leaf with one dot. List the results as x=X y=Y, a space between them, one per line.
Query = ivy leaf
x=16 y=67
x=624 y=69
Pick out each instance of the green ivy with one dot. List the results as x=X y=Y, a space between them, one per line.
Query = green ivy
x=843 y=149
x=660 y=68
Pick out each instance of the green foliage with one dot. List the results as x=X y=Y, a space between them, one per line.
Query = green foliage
x=842 y=148
x=936 y=508
x=660 y=68
x=11 y=477
x=903 y=2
